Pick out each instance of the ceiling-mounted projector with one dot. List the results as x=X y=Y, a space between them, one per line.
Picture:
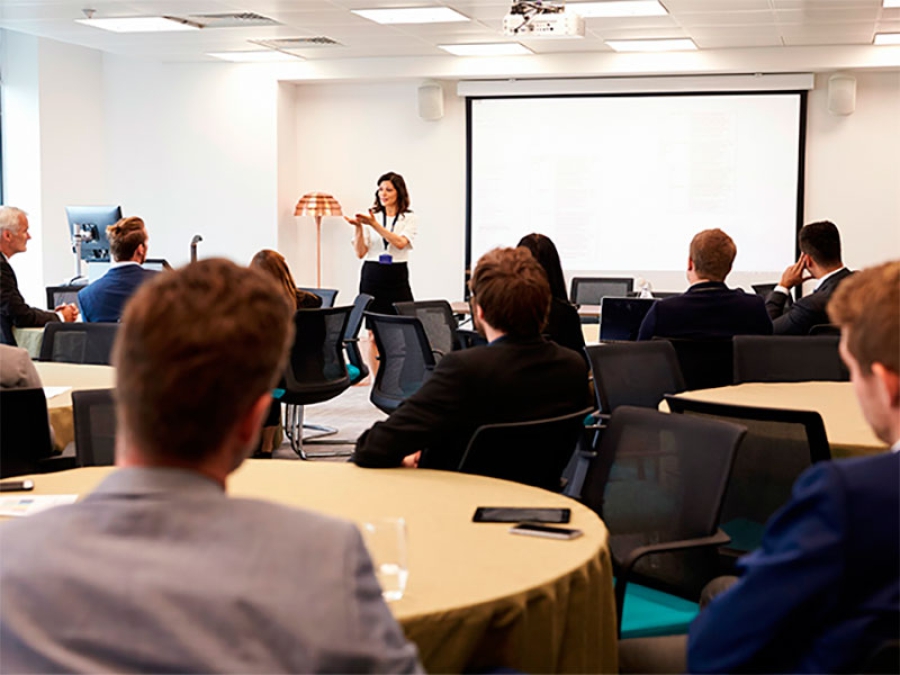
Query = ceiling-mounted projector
x=542 y=18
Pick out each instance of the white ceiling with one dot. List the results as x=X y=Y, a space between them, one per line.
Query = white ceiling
x=712 y=24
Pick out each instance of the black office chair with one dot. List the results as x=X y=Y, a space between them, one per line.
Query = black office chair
x=592 y=290
x=26 y=445
x=405 y=359
x=634 y=373
x=316 y=372
x=534 y=452
x=351 y=338
x=658 y=483
x=705 y=364
x=328 y=295
x=788 y=358
x=438 y=321
x=825 y=329
x=95 y=427
x=62 y=295
x=89 y=343
x=779 y=446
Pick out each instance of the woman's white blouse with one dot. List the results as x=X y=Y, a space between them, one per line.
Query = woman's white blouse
x=407 y=226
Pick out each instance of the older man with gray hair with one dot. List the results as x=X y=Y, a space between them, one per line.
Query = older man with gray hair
x=14 y=311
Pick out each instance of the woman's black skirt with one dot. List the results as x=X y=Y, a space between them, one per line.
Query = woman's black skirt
x=387 y=284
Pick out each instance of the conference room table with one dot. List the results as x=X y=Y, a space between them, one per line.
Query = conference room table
x=477 y=596
x=76 y=377
x=848 y=432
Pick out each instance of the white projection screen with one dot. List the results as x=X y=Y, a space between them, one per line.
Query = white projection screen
x=622 y=183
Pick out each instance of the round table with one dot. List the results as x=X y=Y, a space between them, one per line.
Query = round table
x=477 y=595
x=76 y=376
x=848 y=432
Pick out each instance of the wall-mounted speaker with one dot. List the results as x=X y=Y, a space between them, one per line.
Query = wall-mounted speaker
x=431 y=101
x=841 y=94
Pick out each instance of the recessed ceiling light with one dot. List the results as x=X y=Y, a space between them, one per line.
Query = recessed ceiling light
x=487 y=49
x=411 y=15
x=683 y=44
x=887 y=38
x=613 y=8
x=139 y=24
x=891 y=3
x=255 y=56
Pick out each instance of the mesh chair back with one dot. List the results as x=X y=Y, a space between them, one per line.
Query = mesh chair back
x=787 y=358
x=95 y=427
x=62 y=295
x=328 y=295
x=704 y=364
x=24 y=431
x=438 y=321
x=660 y=478
x=406 y=360
x=534 y=453
x=89 y=343
x=634 y=373
x=592 y=290
x=316 y=370
x=779 y=446
x=351 y=336
x=825 y=329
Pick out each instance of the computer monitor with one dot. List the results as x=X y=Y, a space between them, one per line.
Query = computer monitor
x=620 y=318
x=91 y=223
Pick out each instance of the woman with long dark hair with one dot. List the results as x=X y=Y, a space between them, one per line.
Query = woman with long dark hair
x=563 y=324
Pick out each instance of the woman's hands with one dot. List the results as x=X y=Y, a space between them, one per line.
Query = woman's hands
x=361 y=219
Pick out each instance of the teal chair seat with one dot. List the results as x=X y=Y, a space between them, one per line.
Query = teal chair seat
x=651 y=613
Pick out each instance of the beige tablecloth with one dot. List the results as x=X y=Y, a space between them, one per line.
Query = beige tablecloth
x=30 y=340
x=848 y=432
x=77 y=377
x=477 y=595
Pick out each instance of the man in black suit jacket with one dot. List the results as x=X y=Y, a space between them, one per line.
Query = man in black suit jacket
x=14 y=311
x=708 y=309
x=518 y=376
x=820 y=246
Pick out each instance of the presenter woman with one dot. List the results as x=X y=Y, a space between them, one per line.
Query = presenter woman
x=384 y=237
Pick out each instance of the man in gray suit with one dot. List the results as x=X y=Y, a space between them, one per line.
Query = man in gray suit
x=158 y=570
x=820 y=258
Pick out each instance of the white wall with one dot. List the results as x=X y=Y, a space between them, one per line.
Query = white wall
x=192 y=149
x=347 y=136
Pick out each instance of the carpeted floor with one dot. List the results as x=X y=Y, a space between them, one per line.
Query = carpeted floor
x=351 y=413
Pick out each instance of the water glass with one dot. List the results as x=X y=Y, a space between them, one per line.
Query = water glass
x=386 y=540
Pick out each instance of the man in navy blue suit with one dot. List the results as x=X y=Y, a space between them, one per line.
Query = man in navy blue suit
x=823 y=591
x=708 y=309
x=104 y=300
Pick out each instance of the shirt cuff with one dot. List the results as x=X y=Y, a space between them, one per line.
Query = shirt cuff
x=781 y=289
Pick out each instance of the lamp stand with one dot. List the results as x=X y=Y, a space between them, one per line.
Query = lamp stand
x=318 y=251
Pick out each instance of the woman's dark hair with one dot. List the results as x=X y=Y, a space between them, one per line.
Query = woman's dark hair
x=402 y=193
x=544 y=251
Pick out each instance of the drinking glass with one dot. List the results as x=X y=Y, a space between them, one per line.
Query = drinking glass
x=386 y=540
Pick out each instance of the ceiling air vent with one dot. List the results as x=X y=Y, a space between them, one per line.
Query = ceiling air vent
x=288 y=44
x=235 y=20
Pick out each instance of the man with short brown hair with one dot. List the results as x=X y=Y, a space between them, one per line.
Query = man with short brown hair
x=822 y=593
x=159 y=571
x=104 y=299
x=518 y=376
x=708 y=309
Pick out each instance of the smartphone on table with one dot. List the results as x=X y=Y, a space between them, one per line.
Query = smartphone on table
x=538 y=530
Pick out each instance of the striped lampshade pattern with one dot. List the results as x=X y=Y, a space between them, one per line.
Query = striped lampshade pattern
x=318 y=204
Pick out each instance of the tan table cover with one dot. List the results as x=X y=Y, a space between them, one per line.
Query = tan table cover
x=78 y=377
x=848 y=432
x=29 y=339
x=477 y=595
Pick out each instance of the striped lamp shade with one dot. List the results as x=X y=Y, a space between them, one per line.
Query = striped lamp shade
x=318 y=204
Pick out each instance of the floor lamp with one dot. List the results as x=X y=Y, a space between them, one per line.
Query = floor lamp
x=318 y=204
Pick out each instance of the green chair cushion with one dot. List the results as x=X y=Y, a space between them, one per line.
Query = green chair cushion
x=650 y=613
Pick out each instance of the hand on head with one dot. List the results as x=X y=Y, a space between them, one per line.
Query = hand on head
x=797 y=273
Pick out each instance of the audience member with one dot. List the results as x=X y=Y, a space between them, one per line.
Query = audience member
x=104 y=299
x=563 y=324
x=14 y=311
x=823 y=591
x=158 y=570
x=518 y=376
x=273 y=263
x=17 y=370
x=708 y=309
x=820 y=246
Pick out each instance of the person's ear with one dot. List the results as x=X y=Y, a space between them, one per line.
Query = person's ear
x=690 y=264
x=890 y=384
